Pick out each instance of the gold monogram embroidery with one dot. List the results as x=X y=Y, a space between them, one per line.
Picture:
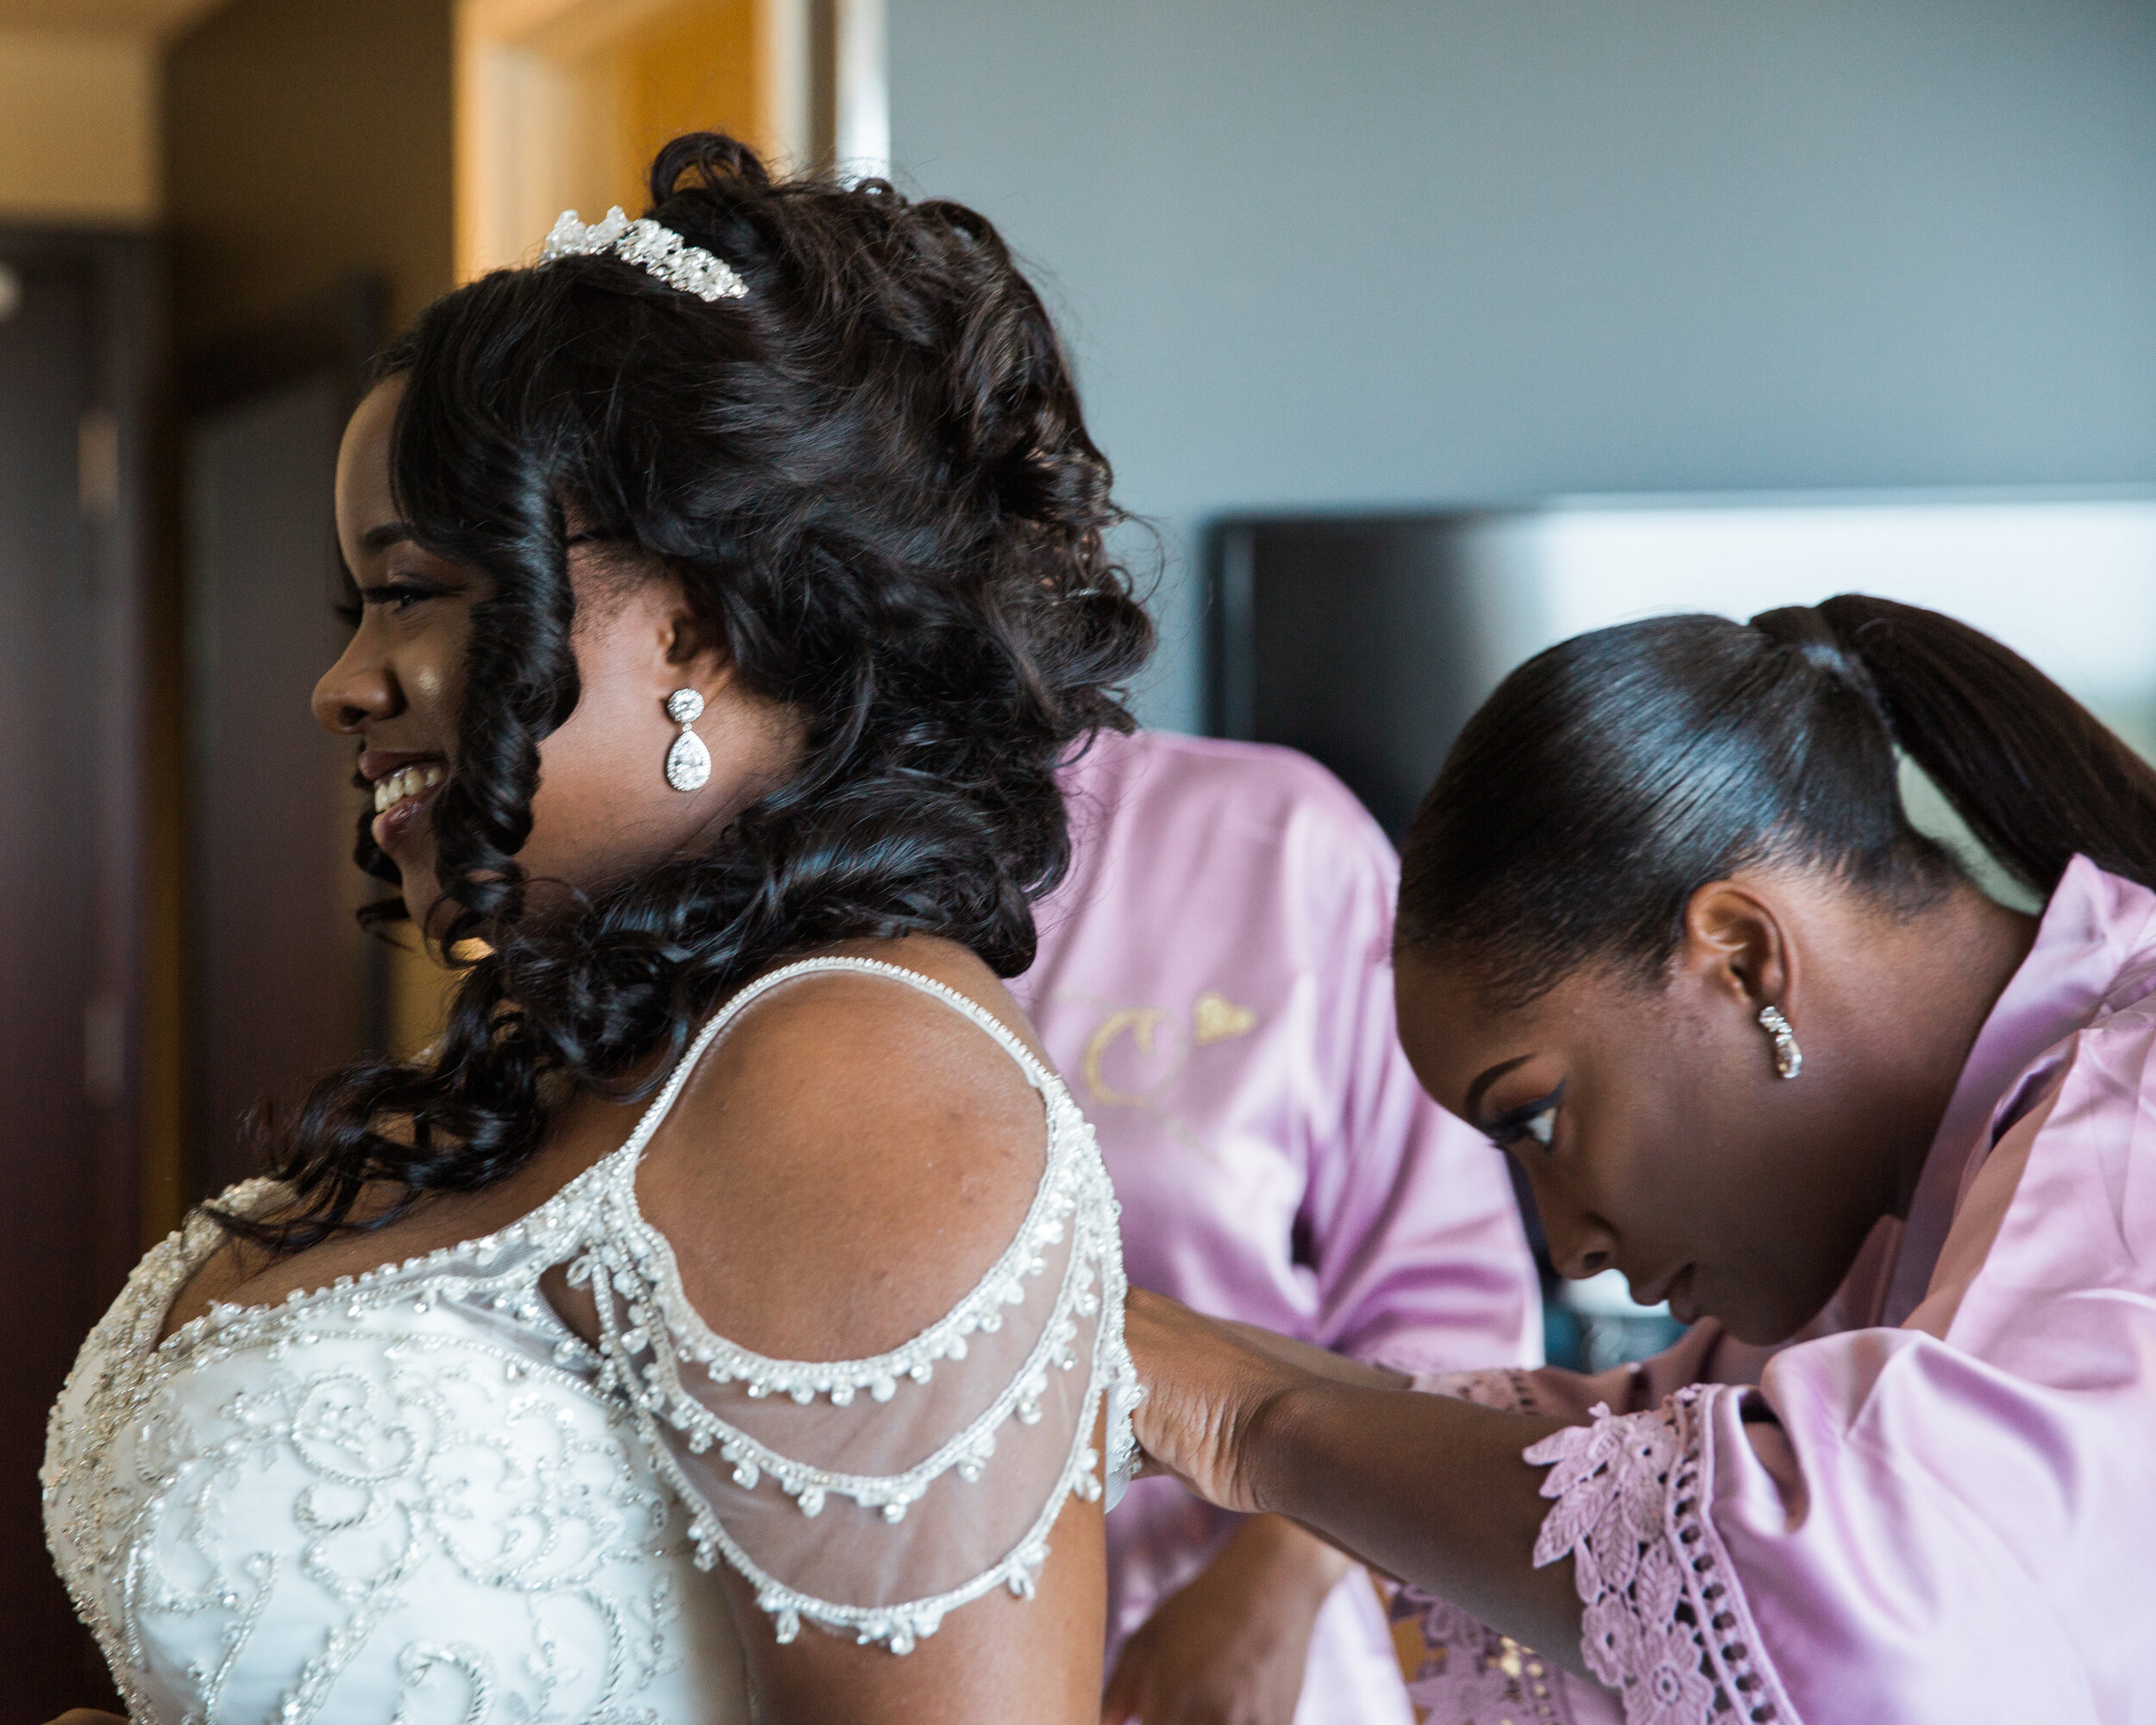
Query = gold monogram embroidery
x=1141 y=1022
x=1159 y=1049
x=1219 y=1019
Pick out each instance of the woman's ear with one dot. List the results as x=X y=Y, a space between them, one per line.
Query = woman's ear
x=621 y=588
x=1737 y=945
x=695 y=646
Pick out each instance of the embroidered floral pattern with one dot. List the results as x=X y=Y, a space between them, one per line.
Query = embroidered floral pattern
x=1468 y=1672
x=432 y=1425
x=1465 y=1671
x=415 y=1467
x=1665 y=1624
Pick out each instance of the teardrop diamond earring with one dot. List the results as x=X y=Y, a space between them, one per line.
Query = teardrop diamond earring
x=688 y=763
x=1788 y=1058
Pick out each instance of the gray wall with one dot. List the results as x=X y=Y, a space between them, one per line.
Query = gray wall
x=307 y=141
x=1412 y=251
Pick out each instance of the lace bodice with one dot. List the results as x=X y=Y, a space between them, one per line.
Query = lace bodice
x=416 y=1496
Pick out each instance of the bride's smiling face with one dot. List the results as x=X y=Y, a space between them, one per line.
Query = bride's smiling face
x=604 y=807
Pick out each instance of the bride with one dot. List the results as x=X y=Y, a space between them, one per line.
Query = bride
x=731 y=1302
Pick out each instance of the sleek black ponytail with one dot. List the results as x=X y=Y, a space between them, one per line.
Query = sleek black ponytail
x=1612 y=776
x=2036 y=775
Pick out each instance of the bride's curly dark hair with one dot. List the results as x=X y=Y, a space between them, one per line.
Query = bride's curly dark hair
x=871 y=472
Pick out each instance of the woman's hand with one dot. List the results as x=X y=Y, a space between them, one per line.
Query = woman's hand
x=1209 y=1385
x=1205 y=1386
x=88 y=1716
x=1230 y=1647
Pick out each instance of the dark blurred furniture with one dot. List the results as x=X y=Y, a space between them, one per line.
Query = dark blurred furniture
x=75 y=360
x=1354 y=639
x=1365 y=642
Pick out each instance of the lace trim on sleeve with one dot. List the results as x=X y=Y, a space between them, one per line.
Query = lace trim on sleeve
x=1466 y=1671
x=1665 y=1623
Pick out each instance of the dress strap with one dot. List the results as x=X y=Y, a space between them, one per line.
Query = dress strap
x=661 y=1105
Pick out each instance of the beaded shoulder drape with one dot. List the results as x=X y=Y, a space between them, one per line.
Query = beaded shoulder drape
x=416 y=1496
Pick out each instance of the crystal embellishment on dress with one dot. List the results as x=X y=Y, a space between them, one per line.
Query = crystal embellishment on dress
x=416 y=1493
x=688 y=763
x=658 y=251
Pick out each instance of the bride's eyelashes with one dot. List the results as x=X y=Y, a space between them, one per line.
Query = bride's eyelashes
x=397 y=597
x=1536 y=1121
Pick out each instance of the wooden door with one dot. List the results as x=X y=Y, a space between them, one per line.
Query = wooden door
x=64 y=1029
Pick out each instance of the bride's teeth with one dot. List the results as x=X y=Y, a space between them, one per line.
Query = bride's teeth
x=406 y=782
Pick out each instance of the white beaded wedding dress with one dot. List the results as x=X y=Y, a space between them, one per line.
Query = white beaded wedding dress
x=415 y=1497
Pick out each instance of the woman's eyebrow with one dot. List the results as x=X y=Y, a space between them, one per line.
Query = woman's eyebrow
x=1470 y=1111
x=388 y=534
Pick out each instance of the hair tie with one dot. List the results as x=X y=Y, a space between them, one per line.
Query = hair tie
x=1805 y=632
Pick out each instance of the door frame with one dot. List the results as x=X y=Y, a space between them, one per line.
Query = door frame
x=130 y=1069
x=131 y=1065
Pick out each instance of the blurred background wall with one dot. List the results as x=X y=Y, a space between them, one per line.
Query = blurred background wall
x=89 y=1067
x=306 y=142
x=78 y=136
x=1405 y=253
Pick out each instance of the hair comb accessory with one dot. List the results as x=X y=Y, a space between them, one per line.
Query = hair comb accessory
x=659 y=251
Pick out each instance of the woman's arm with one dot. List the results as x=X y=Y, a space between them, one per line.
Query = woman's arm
x=1233 y=1642
x=1236 y=1637
x=1425 y=1488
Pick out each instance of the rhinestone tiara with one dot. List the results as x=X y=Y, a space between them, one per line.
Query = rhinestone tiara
x=660 y=251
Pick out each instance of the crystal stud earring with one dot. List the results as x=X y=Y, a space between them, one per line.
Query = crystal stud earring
x=688 y=763
x=1788 y=1058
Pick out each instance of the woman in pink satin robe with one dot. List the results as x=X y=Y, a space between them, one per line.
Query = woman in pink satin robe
x=1214 y=982
x=1667 y=934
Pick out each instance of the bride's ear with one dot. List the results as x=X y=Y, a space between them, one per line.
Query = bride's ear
x=695 y=646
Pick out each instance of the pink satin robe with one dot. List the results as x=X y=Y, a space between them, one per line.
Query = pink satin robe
x=1937 y=1508
x=1214 y=983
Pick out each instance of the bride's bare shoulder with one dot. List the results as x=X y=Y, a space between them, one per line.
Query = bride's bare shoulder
x=848 y=1158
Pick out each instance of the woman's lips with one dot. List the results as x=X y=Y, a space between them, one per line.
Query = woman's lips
x=1683 y=1306
x=1676 y=1288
